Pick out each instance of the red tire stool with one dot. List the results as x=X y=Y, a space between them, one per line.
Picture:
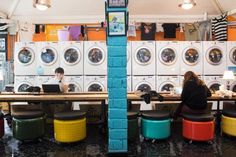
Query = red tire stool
x=198 y=127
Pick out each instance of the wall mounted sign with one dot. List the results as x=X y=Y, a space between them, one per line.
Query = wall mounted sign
x=116 y=23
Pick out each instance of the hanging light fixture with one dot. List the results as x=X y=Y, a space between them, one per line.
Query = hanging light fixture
x=187 y=4
x=42 y=4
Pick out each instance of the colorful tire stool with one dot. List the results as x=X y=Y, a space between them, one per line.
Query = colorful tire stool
x=228 y=122
x=69 y=126
x=155 y=124
x=198 y=127
x=1 y=124
x=132 y=125
x=28 y=125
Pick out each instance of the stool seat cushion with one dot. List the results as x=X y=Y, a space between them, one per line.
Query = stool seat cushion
x=229 y=113
x=156 y=115
x=70 y=115
x=132 y=115
x=198 y=117
x=28 y=114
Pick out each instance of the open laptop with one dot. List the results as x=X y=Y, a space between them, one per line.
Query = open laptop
x=51 y=88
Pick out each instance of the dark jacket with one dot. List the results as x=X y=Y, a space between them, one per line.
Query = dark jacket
x=194 y=95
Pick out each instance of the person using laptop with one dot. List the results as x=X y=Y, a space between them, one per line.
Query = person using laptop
x=59 y=78
x=52 y=107
x=194 y=95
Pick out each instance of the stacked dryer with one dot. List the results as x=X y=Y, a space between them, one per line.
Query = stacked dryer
x=231 y=61
x=167 y=65
x=214 y=64
x=71 y=59
x=25 y=57
x=95 y=66
x=143 y=65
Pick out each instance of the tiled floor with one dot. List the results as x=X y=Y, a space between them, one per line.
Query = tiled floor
x=96 y=145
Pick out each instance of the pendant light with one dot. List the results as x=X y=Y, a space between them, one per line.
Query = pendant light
x=187 y=4
x=42 y=5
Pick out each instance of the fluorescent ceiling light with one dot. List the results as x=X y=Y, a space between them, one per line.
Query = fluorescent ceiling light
x=42 y=4
x=187 y=4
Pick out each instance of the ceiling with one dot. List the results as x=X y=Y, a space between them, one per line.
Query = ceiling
x=92 y=11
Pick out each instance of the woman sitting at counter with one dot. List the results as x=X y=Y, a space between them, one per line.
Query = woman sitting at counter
x=194 y=95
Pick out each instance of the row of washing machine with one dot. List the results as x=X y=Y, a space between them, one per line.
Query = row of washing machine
x=134 y=83
x=143 y=57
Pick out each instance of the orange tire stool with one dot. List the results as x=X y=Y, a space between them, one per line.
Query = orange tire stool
x=198 y=127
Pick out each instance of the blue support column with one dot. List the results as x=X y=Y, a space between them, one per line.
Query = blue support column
x=117 y=92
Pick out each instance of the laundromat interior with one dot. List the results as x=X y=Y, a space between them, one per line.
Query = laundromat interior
x=97 y=78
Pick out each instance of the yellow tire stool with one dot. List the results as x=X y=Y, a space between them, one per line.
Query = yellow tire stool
x=69 y=126
x=228 y=122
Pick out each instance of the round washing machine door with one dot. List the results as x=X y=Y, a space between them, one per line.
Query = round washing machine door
x=191 y=56
x=143 y=56
x=233 y=87
x=168 y=56
x=166 y=86
x=23 y=86
x=214 y=56
x=71 y=56
x=26 y=56
x=232 y=55
x=96 y=56
x=214 y=86
x=95 y=87
x=48 y=56
x=73 y=87
x=144 y=87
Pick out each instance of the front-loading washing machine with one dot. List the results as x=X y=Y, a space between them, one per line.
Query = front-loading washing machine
x=166 y=83
x=214 y=83
x=143 y=57
x=167 y=59
x=23 y=82
x=48 y=57
x=95 y=58
x=95 y=83
x=214 y=58
x=71 y=57
x=129 y=60
x=25 y=58
x=191 y=59
x=231 y=54
x=144 y=83
x=75 y=83
x=233 y=86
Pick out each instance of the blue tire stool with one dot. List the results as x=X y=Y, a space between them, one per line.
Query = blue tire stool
x=155 y=124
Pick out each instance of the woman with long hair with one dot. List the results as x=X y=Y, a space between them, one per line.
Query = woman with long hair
x=194 y=95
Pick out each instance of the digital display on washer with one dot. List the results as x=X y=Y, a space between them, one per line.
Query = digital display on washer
x=25 y=56
x=143 y=55
x=95 y=55
x=71 y=55
x=48 y=55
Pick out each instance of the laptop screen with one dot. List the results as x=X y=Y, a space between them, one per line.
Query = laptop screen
x=51 y=88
